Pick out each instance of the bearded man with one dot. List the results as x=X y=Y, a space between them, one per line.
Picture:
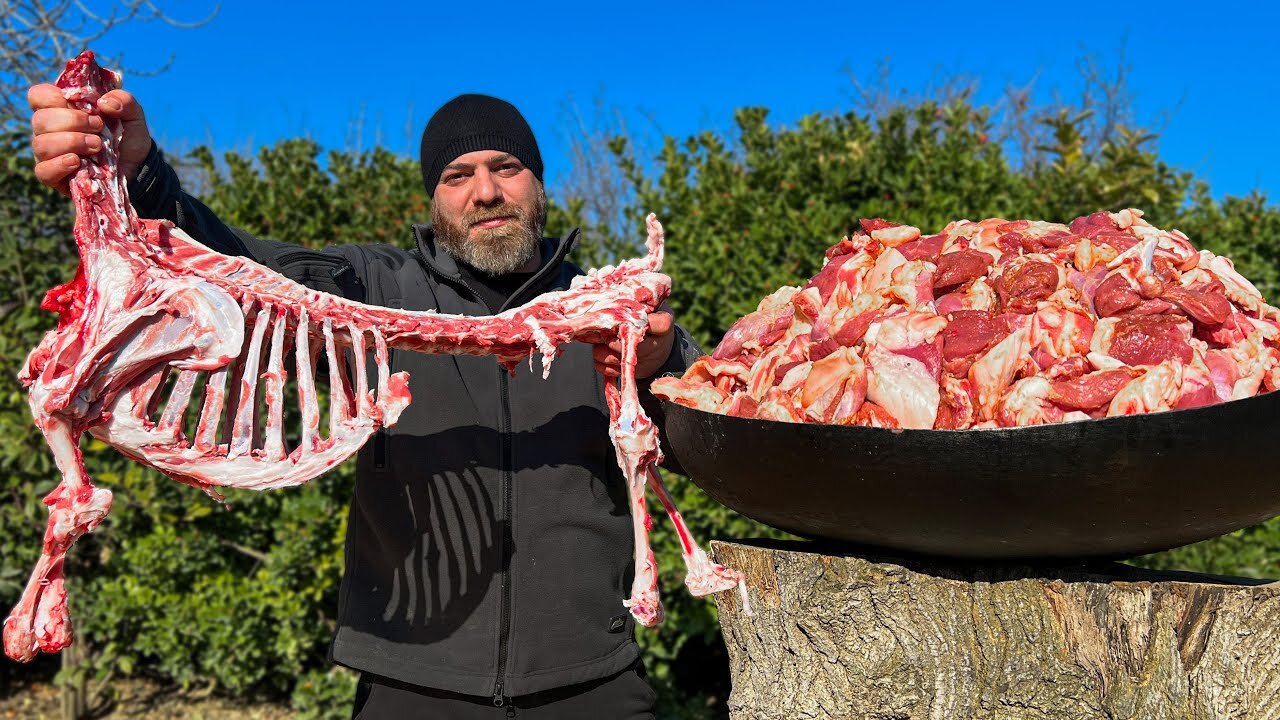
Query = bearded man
x=489 y=539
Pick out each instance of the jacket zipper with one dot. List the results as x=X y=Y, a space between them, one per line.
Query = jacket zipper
x=504 y=617
x=504 y=620
x=544 y=274
x=504 y=560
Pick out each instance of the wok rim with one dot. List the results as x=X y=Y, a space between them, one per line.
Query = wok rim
x=1272 y=396
x=730 y=491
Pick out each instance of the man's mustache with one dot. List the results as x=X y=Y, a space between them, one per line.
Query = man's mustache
x=501 y=211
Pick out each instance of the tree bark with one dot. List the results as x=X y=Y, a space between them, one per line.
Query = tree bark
x=838 y=636
x=75 y=703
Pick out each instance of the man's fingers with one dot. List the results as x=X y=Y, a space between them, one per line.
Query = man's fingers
x=661 y=322
x=611 y=364
x=135 y=138
x=56 y=144
x=121 y=104
x=614 y=346
x=47 y=120
x=55 y=172
x=662 y=319
x=45 y=95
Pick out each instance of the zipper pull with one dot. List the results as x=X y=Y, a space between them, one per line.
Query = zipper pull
x=498 y=700
x=511 y=711
x=340 y=270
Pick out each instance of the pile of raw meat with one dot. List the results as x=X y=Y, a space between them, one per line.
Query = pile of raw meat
x=995 y=324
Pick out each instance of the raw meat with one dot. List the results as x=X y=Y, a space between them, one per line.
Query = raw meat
x=152 y=312
x=1032 y=323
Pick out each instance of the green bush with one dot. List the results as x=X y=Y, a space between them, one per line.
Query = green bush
x=324 y=694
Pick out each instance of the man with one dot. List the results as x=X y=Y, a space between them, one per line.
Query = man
x=489 y=541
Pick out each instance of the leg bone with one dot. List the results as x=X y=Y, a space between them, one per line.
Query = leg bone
x=704 y=577
x=41 y=619
x=636 y=444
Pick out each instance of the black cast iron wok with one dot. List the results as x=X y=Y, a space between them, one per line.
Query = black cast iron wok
x=1114 y=487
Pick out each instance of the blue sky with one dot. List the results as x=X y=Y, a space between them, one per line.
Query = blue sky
x=261 y=71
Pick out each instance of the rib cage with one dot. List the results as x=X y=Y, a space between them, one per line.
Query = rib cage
x=253 y=440
x=179 y=357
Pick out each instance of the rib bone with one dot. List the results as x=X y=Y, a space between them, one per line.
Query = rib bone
x=242 y=429
x=273 y=449
x=176 y=410
x=215 y=395
x=339 y=410
x=307 y=386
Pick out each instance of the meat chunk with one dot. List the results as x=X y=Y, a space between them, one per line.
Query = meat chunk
x=1149 y=339
x=1023 y=285
x=1091 y=391
x=959 y=267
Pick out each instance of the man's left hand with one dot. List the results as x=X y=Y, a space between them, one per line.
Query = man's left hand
x=651 y=353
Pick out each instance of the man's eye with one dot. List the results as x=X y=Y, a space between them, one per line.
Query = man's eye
x=511 y=168
x=452 y=179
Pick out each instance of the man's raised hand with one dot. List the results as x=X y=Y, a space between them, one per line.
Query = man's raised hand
x=60 y=135
x=652 y=352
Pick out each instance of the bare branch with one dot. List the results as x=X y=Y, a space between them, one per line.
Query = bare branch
x=37 y=37
x=185 y=25
x=1018 y=128
x=246 y=551
x=878 y=97
x=595 y=183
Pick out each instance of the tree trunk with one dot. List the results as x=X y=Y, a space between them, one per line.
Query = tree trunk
x=835 y=636
x=75 y=703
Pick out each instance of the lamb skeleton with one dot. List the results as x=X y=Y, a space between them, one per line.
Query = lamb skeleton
x=148 y=300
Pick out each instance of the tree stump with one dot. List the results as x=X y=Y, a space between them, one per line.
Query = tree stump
x=838 y=636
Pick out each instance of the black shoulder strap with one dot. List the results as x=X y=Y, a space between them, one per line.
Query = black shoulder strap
x=326 y=272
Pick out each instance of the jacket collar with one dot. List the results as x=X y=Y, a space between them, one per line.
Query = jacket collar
x=438 y=261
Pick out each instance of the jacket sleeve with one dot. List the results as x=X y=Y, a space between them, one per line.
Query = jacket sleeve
x=684 y=353
x=156 y=193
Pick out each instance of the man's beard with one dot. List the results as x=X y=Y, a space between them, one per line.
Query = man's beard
x=496 y=251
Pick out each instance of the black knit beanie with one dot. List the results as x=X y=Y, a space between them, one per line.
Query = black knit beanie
x=475 y=122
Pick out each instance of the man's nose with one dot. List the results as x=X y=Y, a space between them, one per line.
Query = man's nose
x=486 y=191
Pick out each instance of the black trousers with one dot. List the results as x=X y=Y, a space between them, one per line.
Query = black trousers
x=625 y=696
